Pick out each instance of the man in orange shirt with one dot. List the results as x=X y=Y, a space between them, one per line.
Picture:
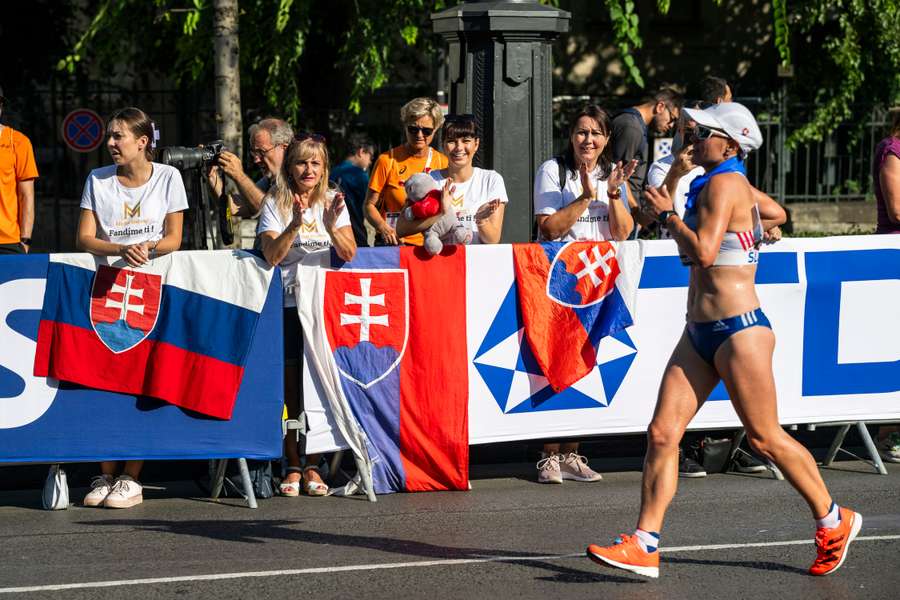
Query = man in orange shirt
x=421 y=117
x=17 y=174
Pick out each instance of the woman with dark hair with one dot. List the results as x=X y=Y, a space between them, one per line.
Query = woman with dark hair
x=727 y=338
x=132 y=209
x=581 y=196
x=886 y=179
x=478 y=196
x=301 y=214
x=421 y=118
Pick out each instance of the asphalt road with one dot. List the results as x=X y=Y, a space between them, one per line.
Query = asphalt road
x=507 y=538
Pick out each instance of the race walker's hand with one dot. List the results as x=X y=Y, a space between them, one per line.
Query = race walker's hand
x=657 y=200
x=772 y=235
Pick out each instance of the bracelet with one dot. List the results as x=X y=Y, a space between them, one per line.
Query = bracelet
x=614 y=196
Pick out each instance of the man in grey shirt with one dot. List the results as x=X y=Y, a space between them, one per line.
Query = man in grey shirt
x=631 y=134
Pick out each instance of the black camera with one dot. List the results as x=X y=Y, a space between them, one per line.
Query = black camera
x=183 y=157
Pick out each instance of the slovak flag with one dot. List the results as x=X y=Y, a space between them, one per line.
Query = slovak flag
x=572 y=295
x=392 y=357
x=177 y=329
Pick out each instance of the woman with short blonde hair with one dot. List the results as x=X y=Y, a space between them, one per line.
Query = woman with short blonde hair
x=421 y=118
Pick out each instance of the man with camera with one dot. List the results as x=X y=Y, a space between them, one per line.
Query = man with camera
x=17 y=175
x=268 y=140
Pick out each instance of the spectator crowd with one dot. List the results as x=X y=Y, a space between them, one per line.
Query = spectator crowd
x=596 y=189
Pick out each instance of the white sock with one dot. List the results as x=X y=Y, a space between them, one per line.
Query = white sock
x=832 y=519
x=648 y=540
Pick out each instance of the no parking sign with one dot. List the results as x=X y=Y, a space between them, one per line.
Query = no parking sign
x=82 y=130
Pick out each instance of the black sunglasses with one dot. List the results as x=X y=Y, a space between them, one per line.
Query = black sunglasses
x=701 y=132
x=415 y=129
x=307 y=135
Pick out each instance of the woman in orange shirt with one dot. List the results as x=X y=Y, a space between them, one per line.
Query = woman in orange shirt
x=421 y=117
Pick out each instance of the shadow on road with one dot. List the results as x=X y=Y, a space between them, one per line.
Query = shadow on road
x=758 y=565
x=261 y=531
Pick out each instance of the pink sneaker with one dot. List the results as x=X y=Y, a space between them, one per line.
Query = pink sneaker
x=101 y=485
x=548 y=469
x=574 y=466
x=125 y=493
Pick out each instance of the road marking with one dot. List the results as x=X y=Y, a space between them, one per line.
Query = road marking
x=399 y=565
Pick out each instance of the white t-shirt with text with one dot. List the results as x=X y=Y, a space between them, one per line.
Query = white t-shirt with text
x=311 y=237
x=133 y=215
x=482 y=187
x=593 y=224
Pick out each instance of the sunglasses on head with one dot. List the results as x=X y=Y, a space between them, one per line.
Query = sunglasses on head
x=415 y=129
x=307 y=135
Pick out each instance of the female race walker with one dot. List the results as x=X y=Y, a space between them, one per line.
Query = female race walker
x=727 y=337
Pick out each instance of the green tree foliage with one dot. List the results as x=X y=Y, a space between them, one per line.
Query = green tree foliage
x=849 y=58
x=274 y=36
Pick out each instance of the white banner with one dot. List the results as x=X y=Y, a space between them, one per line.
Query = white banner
x=833 y=304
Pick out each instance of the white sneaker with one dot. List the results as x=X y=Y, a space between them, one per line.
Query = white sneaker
x=125 y=493
x=548 y=469
x=575 y=467
x=101 y=485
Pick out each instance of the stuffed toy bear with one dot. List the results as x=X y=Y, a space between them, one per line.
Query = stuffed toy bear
x=425 y=197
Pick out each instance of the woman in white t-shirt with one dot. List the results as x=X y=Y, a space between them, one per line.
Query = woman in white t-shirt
x=478 y=196
x=133 y=209
x=301 y=215
x=588 y=204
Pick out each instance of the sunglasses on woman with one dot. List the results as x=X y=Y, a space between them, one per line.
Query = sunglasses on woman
x=702 y=132
x=415 y=129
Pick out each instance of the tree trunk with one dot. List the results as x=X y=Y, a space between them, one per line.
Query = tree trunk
x=228 y=76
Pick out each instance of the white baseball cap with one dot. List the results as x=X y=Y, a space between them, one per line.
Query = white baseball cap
x=732 y=118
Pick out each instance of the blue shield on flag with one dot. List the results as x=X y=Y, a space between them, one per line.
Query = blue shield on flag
x=366 y=317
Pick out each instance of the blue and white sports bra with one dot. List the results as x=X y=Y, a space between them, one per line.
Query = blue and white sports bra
x=738 y=248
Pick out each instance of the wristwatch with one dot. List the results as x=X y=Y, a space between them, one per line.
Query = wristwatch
x=25 y=240
x=663 y=217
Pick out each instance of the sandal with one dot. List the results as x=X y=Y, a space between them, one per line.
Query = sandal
x=290 y=488
x=313 y=488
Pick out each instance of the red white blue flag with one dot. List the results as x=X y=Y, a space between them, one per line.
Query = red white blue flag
x=571 y=296
x=177 y=329
x=392 y=357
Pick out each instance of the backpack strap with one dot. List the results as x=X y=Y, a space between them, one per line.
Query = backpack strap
x=561 y=165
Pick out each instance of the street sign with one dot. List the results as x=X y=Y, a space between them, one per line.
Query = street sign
x=82 y=130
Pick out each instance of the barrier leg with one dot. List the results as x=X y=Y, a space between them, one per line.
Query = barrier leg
x=870 y=447
x=736 y=442
x=248 y=485
x=836 y=444
x=335 y=465
x=218 y=479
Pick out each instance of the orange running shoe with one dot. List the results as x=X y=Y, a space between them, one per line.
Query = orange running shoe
x=626 y=553
x=832 y=544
